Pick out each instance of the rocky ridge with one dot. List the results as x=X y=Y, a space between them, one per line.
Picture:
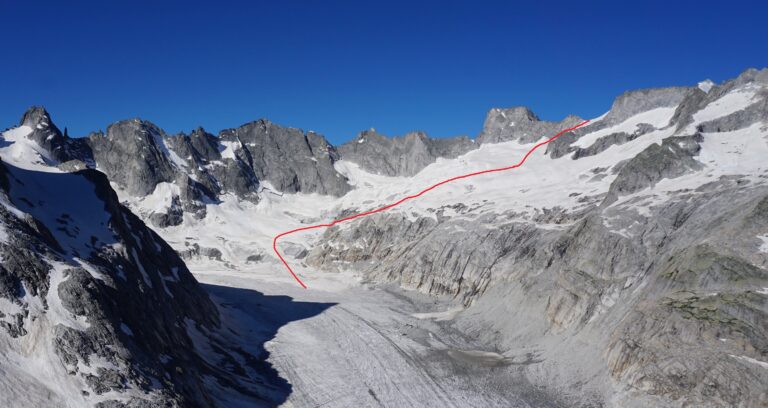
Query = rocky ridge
x=95 y=307
x=192 y=170
x=661 y=269
x=401 y=156
x=627 y=265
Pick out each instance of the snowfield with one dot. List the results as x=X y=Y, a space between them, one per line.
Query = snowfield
x=240 y=229
x=373 y=345
x=348 y=341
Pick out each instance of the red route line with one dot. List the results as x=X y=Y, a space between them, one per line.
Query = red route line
x=410 y=197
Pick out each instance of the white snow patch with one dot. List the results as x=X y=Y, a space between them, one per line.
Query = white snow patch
x=658 y=118
x=178 y=161
x=706 y=85
x=3 y=235
x=731 y=102
x=227 y=149
x=19 y=151
x=90 y=269
x=601 y=117
x=160 y=141
x=446 y=315
x=741 y=151
x=161 y=198
x=751 y=360
x=138 y=263
x=764 y=245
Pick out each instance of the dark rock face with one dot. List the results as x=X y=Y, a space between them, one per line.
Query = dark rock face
x=290 y=159
x=132 y=155
x=521 y=124
x=401 y=156
x=209 y=174
x=673 y=158
x=44 y=132
x=47 y=135
x=138 y=156
x=118 y=304
x=631 y=103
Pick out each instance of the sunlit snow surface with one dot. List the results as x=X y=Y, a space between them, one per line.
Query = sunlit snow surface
x=330 y=355
x=658 y=117
x=241 y=229
x=734 y=101
x=18 y=150
x=362 y=350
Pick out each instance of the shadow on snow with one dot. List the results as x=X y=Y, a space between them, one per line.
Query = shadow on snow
x=251 y=319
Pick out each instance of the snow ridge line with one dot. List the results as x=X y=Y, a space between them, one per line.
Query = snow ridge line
x=410 y=197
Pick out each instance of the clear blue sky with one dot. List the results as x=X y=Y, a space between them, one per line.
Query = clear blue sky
x=340 y=67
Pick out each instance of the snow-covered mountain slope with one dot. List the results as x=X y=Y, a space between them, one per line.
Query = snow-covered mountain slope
x=95 y=308
x=567 y=184
x=625 y=263
x=634 y=243
x=138 y=156
x=628 y=254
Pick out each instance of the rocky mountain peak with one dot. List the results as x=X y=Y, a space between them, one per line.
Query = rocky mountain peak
x=46 y=135
x=520 y=123
x=133 y=154
x=416 y=135
x=759 y=76
x=368 y=133
x=133 y=127
x=401 y=156
x=631 y=103
x=36 y=115
x=518 y=113
x=263 y=125
x=289 y=158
